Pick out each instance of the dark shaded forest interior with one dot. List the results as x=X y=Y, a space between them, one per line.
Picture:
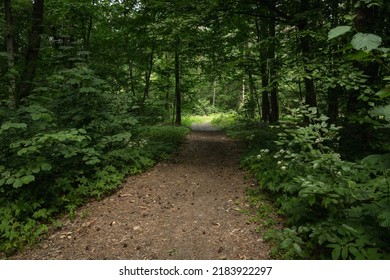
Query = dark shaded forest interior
x=95 y=91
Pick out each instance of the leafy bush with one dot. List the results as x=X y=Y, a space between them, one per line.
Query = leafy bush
x=226 y=120
x=202 y=107
x=334 y=208
x=53 y=158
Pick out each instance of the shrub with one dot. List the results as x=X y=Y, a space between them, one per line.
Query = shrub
x=63 y=147
x=334 y=208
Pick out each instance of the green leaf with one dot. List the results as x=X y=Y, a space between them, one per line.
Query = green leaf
x=336 y=253
x=42 y=213
x=36 y=116
x=92 y=161
x=46 y=167
x=381 y=111
x=9 y=125
x=286 y=243
x=82 y=53
x=29 y=150
x=384 y=93
x=311 y=199
x=17 y=183
x=344 y=252
x=10 y=181
x=378 y=161
x=338 y=31
x=73 y=81
x=366 y=41
x=356 y=253
x=89 y=90
x=351 y=229
x=384 y=50
x=297 y=248
x=385 y=219
x=28 y=179
x=359 y=56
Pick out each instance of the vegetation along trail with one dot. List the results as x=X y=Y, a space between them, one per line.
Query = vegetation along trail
x=189 y=208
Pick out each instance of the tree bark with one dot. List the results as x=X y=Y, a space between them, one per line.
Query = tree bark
x=252 y=96
x=148 y=74
x=262 y=32
x=167 y=76
x=214 y=92
x=177 y=85
x=385 y=21
x=241 y=97
x=131 y=76
x=367 y=21
x=274 y=114
x=310 y=97
x=89 y=30
x=32 y=53
x=333 y=103
x=9 y=41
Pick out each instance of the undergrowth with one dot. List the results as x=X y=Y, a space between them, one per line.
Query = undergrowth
x=188 y=120
x=55 y=159
x=331 y=208
x=60 y=175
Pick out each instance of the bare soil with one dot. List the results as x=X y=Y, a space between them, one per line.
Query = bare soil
x=189 y=208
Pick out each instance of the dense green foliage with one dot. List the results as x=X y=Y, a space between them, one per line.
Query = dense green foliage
x=52 y=162
x=48 y=168
x=333 y=208
x=87 y=89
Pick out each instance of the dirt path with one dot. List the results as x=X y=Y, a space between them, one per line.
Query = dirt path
x=186 y=209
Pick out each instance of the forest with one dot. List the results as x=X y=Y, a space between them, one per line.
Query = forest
x=92 y=91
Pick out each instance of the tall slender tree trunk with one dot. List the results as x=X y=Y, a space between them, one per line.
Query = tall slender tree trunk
x=89 y=30
x=214 y=92
x=385 y=21
x=367 y=20
x=333 y=103
x=9 y=41
x=241 y=97
x=32 y=52
x=148 y=74
x=252 y=96
x=131 y=76
x=274 y=114
x=167 y=86
x=262 y=32
x=310 y=97
x=177 y=85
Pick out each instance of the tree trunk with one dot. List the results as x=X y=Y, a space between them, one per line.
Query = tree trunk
x=9 y=41
x=310 y=98
x=265 y=105
x=167 y=86
x=177 y=85
x=214 y=91
x=274 y=114
x=385 y=22
x=241 y=97
x=333 y=103
x=131 y=74
x=251 y=105
x=367 y=21
x=89 y=30
x=148 y=74
x=32 y=53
